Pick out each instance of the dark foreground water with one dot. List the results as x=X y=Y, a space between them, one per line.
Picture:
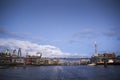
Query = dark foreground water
x=61 y=73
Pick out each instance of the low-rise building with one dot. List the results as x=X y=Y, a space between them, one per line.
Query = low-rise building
x=32 y=60
x=109 y=57
x=18 y=60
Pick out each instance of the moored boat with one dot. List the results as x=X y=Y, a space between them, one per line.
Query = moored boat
x=91 y=64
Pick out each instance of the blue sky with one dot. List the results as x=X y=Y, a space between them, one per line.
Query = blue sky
x=70 y=25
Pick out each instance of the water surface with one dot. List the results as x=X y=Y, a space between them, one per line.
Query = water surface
x=61 y=73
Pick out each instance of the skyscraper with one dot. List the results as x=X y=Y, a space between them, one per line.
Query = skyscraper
x=19 y=52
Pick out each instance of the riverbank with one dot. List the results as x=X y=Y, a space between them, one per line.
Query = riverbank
x=23 y=65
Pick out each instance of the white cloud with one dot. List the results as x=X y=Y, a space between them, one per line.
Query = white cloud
x=33 y=48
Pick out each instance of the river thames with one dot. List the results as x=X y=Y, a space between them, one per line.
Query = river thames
x=61 y=73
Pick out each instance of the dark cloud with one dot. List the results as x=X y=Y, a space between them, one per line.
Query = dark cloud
x=110 y=33
x=86 y=33
x=73 y=41
x=94 y=34
x=5 y=32
x=115 y=32
x=118 y=38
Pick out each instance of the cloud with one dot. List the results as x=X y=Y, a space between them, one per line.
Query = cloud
x=56 y=41
x=33 y=48
x=93 y=34
x=113 y=33
x=5 y=32
x=86 y=33
x=26 y=35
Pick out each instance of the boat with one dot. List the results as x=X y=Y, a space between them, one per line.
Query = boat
x=91 y=64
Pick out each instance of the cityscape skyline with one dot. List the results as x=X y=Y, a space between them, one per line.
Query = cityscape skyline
x=60 y=27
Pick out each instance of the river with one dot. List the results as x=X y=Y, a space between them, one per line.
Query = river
x=61 y=73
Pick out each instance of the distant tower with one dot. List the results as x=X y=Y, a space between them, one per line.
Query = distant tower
x=14 y=52
x=19 y=52
x=96 y=51
x=7 y=52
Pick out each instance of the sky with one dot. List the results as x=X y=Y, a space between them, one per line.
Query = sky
x=60 y=28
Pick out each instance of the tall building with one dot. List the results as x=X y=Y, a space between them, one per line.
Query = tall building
x=19 y=52
x=14 y=52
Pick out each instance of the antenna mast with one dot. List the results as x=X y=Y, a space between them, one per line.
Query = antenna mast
x=96 y=51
